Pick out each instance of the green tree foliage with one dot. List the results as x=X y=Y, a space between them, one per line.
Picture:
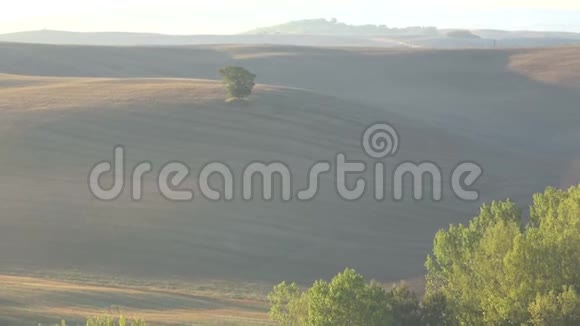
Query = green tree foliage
x=435 y=311
x=346 y=300
x=495 y=271
x=405 y=306
x=556 y=309
x=239 y=82
x=285 y=305
x=105 y=320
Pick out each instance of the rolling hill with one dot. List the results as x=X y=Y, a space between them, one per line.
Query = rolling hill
x=64 y=108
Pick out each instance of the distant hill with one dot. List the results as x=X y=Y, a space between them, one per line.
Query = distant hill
x=334 y=27
x=316 y=32
x=136 y=39
x=499 y=34
x=463 y=34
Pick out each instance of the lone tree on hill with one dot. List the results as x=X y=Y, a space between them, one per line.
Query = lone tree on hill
x=239 y=81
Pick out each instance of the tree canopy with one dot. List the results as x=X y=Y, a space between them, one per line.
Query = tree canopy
x=239 y=82
x=346 y=300
x=498 y=271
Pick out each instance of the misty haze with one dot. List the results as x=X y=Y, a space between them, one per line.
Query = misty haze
x=221 y=163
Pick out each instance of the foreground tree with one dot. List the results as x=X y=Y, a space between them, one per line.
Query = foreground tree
x=239 y=82
x=405 y=306
x=555 y=309
x=105 y=320
x=435 y=311
x=494 y=271
x=285 y=304
x=346 y=300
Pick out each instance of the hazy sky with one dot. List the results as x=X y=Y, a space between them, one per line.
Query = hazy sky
x=235 y=16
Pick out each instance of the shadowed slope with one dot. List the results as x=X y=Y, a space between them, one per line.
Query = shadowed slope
x=54 y=129
x=471 y=92
x=448 y=106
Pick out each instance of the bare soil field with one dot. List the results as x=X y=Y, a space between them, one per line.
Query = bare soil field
x=64 y=108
